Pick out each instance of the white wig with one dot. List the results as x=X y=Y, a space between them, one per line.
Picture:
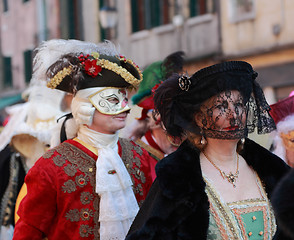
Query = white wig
x=283 y=126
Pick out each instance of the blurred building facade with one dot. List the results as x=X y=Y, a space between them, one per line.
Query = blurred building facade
x=209 y=31
x=26 y=23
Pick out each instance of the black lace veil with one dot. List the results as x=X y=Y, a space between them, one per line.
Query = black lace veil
x=227 y=90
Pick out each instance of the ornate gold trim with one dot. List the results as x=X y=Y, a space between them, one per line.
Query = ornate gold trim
x=222 y=215
x=121 y=71
x=153 y=152
x=57 y=79
x=227 y=215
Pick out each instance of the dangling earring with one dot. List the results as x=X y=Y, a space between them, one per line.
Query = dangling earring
x=203 y=140
x=242 y=140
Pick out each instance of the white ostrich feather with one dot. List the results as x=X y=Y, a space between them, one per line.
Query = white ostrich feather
x=284 y=126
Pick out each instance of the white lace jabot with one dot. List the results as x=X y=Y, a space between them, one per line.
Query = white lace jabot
x=118 y=205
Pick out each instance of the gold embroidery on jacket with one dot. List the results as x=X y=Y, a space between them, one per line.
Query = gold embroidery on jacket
x=73 y=215
x=133 y=164
x=85 y=230
x=49 y=153
x=70 y=170
x=73 y=159
x=86 y=198
x=59 y=160
x=69 y=186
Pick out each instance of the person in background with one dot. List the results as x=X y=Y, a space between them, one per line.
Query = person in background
x=218 y=183
x=147 y=130
x=24 y=139
x=283 y=140
x=89 y=186
x=283 y=204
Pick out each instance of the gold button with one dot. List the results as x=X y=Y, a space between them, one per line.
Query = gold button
x=90 y=169
x=82 y=181
x=86 y=215
x=260 y=233
x=249 y=234
x=253 y=218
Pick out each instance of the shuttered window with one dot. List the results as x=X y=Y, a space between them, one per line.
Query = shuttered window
x=27 y=56
x=5 y=5
x=200 y=7
x=7 y=72
x=147 y=14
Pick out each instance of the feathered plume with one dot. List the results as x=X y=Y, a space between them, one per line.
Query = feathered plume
x=173 y=63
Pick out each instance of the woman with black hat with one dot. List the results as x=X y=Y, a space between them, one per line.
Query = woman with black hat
x=89 y=186
x=218 y=183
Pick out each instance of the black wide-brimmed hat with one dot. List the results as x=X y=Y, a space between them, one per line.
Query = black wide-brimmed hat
x=180 y=97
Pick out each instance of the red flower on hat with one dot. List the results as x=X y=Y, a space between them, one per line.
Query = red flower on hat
x=91 y=67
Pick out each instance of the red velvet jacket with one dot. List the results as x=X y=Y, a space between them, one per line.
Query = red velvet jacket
x=61 y=202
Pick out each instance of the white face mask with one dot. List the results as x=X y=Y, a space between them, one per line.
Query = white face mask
x=110 y=101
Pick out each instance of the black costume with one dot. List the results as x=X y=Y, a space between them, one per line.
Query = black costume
x=12 y=173
x=283 y=203
x=177 y=206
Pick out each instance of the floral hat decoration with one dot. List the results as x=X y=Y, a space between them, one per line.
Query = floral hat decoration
x=75 y=71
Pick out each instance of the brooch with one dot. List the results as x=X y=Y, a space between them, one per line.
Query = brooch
x=184 y=83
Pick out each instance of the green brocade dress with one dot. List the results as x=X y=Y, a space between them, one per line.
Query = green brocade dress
x=241 y=220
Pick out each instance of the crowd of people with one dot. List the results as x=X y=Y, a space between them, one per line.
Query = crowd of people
x=187 y=169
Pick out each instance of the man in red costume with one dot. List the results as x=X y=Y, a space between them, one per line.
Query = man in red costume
x=91 y=185
x=148 y=131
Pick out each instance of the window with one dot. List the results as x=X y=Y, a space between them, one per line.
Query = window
x=103 y=32
x=5 y=5
x=71 y=21
x=242 y=10
x=147 y=14
x=7 y=71
x=200 y=7
x=27 y=56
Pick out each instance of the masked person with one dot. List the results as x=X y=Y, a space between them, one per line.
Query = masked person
x=148 y=130
x=218 y=183
x=91 y=186
x=283 y=115
x=24 y=139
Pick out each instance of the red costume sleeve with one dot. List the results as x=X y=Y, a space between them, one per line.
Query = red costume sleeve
x=38 y=207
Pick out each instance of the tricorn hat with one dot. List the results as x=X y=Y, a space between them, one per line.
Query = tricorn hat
x=80 y=70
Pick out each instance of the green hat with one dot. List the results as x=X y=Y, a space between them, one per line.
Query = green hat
x=154 y=74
